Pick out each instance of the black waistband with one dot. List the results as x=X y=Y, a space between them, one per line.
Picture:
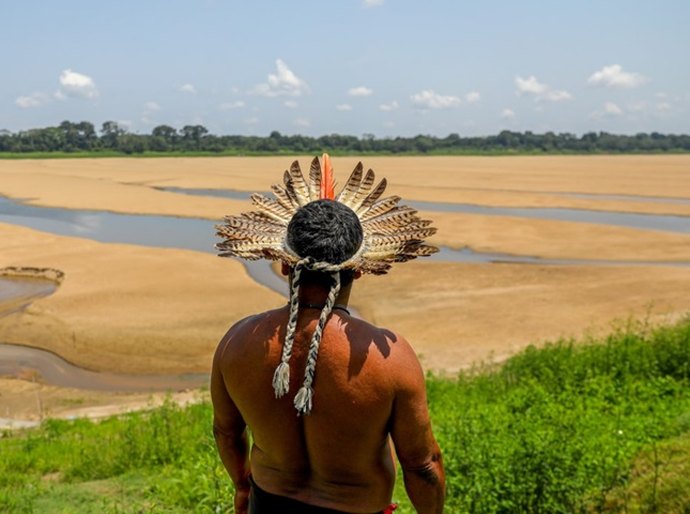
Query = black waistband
x=263 y=502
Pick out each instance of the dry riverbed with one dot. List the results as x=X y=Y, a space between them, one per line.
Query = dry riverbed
x=135 y=309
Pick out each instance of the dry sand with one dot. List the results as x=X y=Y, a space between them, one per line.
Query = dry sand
x=116 y=184
x=135 y=309
x=126 y=308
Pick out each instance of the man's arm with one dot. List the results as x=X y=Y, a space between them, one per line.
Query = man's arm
x=230 y=432
x=417 y=450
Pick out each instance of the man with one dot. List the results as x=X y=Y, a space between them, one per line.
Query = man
x=334 y=454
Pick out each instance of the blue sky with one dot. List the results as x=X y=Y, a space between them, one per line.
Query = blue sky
x=384 y=67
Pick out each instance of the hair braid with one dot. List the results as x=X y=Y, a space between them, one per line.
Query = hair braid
x=281 y=377
x=303 y=399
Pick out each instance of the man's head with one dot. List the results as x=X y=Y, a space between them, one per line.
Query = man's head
x=327 y=231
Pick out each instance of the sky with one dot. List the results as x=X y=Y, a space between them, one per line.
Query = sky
x=382 y=67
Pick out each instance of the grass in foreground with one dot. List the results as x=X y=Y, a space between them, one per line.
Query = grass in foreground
x=600 y=427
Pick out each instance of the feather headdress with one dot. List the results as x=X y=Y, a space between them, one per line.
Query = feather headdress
x=391 y=233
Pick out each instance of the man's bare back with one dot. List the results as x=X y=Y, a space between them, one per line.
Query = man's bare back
x=368 y=386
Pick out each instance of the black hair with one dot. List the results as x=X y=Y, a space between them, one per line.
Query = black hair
x=328 y=231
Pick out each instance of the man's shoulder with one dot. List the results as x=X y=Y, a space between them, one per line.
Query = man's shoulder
x=390 y=343
x=253 y=320
x=249 y=326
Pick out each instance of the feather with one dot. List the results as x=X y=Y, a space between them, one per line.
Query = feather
x=327 y=183
x=260 y=217
x=271 y=208
x=373 y=196
x=399 y=251
x=289 y=188
x=299 y=186
x=352 y=185
x=245 y=246
x=404 y=232
x=283 y=198
x=248 y=234
x=380 y=207
x=397 y=216
x=315 y=179
x=363 y=192
x=243 y=222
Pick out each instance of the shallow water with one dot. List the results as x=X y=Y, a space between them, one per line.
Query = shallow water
x=667 y=223
x=16 y=293
x=18 y=361
x=199 y=234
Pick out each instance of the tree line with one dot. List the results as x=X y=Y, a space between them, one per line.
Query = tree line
x=115 y=138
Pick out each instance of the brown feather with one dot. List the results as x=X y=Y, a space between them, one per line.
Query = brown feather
x=373 y=196
x=380 y=207
x=352 y=185
x=398 y=216
x=283 y=198
x=314 y=179
x=299 y=185
x=363 y=191
x=271 y=208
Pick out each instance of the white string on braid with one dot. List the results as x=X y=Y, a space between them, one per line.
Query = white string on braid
x=281 y=377
x=303 y=399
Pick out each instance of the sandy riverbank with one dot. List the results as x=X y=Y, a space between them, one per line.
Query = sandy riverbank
x=125 y=184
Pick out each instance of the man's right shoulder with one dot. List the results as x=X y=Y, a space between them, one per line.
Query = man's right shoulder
x=251 y=322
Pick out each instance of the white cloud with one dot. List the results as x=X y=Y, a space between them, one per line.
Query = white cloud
x=637 y=106
x=663 y=107
x=290 y=104
x=343 y=107
x=282 y=83
x=152 y=106
x=614 y=76
x=507 y=114
x=540 y=91
x=612 y=109
x=609 y=110
x=32 y=100
x=227 y=106
x=389 y=107
x=302 y=122
x=372 y=3
x=251 y=121
x=429 y=99
x=472 y=97
x=188 y=88
x=360 y=91
x=557 y=95
x=530 y=85
x=77 y=85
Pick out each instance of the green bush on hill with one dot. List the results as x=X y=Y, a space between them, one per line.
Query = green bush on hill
x=553 y=430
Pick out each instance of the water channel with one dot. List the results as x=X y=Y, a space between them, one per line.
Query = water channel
x=663 y=222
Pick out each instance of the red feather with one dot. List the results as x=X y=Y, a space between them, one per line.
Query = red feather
x=327 y=182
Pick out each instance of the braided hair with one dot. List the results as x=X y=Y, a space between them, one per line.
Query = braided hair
x=324 y=233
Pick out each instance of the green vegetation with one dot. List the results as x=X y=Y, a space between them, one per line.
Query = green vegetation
x=602 y=426
x=75 y=139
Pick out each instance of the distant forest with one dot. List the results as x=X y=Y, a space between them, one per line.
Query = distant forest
x=113 y=138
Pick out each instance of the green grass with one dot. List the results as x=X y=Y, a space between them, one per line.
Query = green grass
x=590 y=427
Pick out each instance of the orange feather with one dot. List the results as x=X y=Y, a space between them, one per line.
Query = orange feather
x=327 y=182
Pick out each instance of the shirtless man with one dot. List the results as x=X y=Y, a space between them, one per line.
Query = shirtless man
x=336 y=457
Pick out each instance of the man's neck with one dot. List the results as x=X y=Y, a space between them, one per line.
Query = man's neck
x=315 y=295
